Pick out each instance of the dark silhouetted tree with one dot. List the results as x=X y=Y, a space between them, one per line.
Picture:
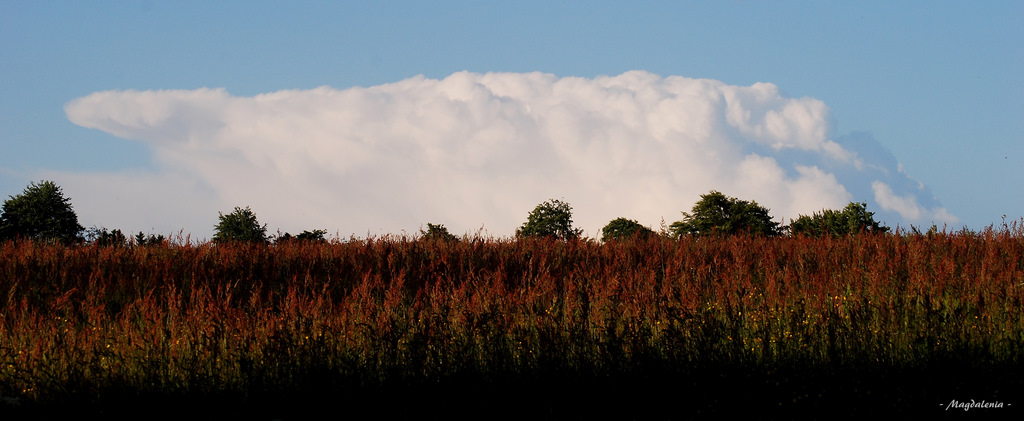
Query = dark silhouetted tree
x=41 y=212
x=314 y=235
x=853 y=219
x=552 y=218
x=150 y=240
x=718 y=214
x=437 y=232
x=307 y=235
x=103 y=237
x=622 y=228
x=240 y=225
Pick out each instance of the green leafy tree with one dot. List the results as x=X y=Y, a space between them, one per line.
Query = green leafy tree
x=437 y=232
x=718 y=214
x=622 y=228
x=240 y=225
x=41 y=212
x=552 y=218
x=853 y=219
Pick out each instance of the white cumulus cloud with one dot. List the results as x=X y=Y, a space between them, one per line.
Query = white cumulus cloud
x=476 y=150
x=906 y=205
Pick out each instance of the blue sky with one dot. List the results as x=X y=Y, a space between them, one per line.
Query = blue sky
x=932 y=89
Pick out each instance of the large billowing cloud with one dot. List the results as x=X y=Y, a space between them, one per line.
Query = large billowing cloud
x=481 y=150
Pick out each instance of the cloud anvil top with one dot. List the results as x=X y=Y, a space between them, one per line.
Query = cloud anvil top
x=473 y=150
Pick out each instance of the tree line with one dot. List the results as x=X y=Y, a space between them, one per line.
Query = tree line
x=42 y=212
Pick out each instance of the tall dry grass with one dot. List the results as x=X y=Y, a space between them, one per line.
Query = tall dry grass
x=241 y=320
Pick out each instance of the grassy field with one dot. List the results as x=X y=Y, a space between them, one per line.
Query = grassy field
x=494 y=328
